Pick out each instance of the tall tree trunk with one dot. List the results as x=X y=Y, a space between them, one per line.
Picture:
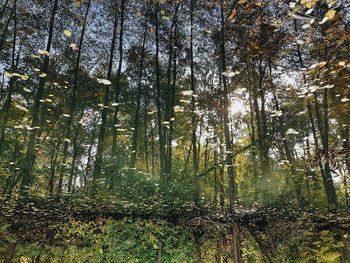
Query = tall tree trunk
x=170 y=94
x=3 y=36
x=328 y=182
x=118 y=85
x=27 y=176
x=3 y=8
x=71 y=181
x=172 y=113
x=53 y=163
x=138 y=102
x=194 y=119
x=228 y=143
x=102 y=131
x=314 y=135
x=263 y=121
x=152 y=147
x=73 y=101
x=159 y=108
x=145 y=137
x=7 y=104
x=89 y=156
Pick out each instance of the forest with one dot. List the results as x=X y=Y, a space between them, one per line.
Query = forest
x=175 y=131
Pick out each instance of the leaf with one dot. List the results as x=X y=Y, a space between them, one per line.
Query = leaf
x=230 y=74
x=208 y=31
x=21 y=108
x=104 y=81
x=67 y=33
x=178 y=108
x=310 y=4
x=74 y=46
x=291 y=131
x=42 y=75
x=187 y=92
x=324 y=20
x=330 y=257
x=43 y=52
x=330 y=14
x=234 y=12
x=24 y=77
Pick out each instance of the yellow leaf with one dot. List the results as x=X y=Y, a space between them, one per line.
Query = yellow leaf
x=330 y=14
x=234 y=12
x=43 y=52
x=73 y=46
x=42 y=75
x=104 y=81
x=310 y=4
x=208 y=31
x=21 y=108
x=242 y=1
x=24 y=77
x=67 y=33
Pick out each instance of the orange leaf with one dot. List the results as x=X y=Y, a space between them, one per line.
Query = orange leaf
x=234 y=12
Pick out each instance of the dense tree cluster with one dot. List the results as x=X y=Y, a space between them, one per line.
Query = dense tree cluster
x=187 y=103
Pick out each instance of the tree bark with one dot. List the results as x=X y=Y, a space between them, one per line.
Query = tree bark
x=228 y=143
x=7 y=104
x=159 y=108
x=117 y=85
x=102 y=131
x=3 y=36
x=27 y=176
x=194 y=119
x=73 y=101
x=138 y=102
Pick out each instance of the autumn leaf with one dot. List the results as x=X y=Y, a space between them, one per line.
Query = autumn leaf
x=43 y=52
x=67 y=33
x=234 y=12
x=21 y=107
x=104 y=81
x=330 y=14
x=74 y=46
